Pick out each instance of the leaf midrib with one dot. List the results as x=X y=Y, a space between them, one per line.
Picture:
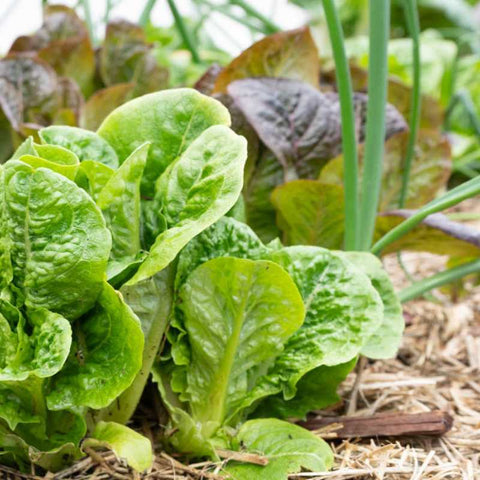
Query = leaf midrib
x=229 y=357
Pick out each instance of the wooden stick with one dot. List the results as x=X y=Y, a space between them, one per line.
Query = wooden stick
x=382 y=425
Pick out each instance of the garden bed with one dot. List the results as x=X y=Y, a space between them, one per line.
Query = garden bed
x=437 y=368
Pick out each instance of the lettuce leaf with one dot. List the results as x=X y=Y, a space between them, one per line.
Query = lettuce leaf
x=102 y=362
x=288 y=448
x=85 y=144
x=57 y=263
x=125 y=443
x=194 y=192
x=385 y=341
x=169 y=120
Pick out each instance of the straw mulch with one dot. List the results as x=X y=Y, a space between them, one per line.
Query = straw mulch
x=438 y=367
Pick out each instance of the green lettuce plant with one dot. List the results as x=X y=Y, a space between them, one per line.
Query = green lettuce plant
x=69 y=343
x=264 y=329
x=73 y=216
x=251 y=329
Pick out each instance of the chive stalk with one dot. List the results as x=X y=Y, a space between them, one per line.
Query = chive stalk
x=413 y=24
x=379 y=16
x=146 y=12
x=183 y=31
x=468 y=189
x=349 y=143
x=88 y=20
x=270 y=26
x=421 y=287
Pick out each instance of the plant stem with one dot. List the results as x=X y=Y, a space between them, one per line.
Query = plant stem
x=379 y=17
x=467 y=190
x=467 y=171
x=108 y=9
x=147 y=10
x=225 y=10
x=349 y=142
x=88 y=20
x=183 y=31
x=411 y=14
x=448 y=276
x=465 y=99
x=249 y=10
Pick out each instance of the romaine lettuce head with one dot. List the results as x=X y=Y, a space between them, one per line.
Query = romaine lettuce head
x=81 y=208
x=210 y=387
x=68 y=341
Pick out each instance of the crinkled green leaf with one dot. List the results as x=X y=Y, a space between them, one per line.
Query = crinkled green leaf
x=194 y=192
x=310 y=213
x=315 y=390
x=93 y=176
x=85 y=144
x=384 y=343
x=152 y=301
x=288 y=448
x=436 y=234
x=290 y=54
x=340 y=300
x=237 y=315
x=56 y=238
x=171 y=120
x=40 y=352
x=342 y=307
x=225 y=238
x=105 y=357
x=124 y=442
x=119 y=201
